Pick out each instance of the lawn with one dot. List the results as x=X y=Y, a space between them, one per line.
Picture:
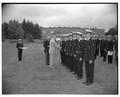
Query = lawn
x=32 y=76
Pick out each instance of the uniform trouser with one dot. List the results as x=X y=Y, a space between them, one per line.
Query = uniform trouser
x=89 y=71
x=75 y=66
x=116 y=57
x=64 y=59
x=110 y=58
x=72 y=64
x=80 y=69
x=69 y=60
x=20 y=55
x=101 y=53
x=61 y=53
x=52 y=58
x=96 y=52
x=104 y=55
x=116 y=60
x=47 y=58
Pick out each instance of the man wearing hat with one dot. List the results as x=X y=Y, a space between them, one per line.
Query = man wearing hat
x=116 y=49
x=19 y=46
x=110 y=49
x=46 y=50
x=89 y=57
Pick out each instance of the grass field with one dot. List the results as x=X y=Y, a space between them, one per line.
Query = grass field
x=32 y=76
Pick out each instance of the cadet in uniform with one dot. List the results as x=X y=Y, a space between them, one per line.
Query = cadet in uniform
x=116 y=49
x=97 y=48
x=110 y=50
x=101 y=47
x=46 y=50
x=89 y=57
x=79 y=57
x=62 y=52
x=105 y=49
x=19 y=46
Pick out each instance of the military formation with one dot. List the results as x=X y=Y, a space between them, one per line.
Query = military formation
x=78 y=50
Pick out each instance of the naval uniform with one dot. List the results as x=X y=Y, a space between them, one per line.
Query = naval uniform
x=89 y=55
x=46 y=50
x=79 y=57
x=19 y=46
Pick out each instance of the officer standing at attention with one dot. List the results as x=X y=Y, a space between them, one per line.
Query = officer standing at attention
x=79 y=57
x=101 y=47
x=46 y=50
x=110 y=50
x=62 y=51
x=89 y=57
x=116 y=49
x=19 y=46
x=105 y=48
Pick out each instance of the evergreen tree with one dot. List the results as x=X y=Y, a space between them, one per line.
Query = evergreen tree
x=20 y=32
x=37 y=33
x=12 y=29
x=4 y=31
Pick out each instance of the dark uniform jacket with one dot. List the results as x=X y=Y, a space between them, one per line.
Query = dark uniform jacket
x=46 y=45
x=116 y=46
x=111 y=44
x=89 y=53
x=80 y=49
x=19 y=46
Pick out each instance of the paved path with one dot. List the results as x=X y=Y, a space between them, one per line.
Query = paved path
x=32 y=76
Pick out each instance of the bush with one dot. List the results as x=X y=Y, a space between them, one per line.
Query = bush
x=30 y=40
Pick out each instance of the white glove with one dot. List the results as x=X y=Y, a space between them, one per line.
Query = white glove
x=90 y=61
x=80 y=59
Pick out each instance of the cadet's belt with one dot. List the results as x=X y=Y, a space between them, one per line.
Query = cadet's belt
x=78 y=51
x=80 y=59
x=74 y=55
x=64 y=50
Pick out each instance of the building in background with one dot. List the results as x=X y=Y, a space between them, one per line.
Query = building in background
x=65 y=30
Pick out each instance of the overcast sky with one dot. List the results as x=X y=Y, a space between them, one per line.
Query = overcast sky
x=50 y=15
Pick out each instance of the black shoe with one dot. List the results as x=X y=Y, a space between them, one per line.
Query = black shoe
x=104 y=60
x=88 y=83
x=85 y=82
x=79 y=78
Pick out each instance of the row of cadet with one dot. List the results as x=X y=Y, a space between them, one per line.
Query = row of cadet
x=77 y=51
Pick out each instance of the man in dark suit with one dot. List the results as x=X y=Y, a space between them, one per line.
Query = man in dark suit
x=116 y=49
x=97 y=48
x=102 y=47
x=19 y=46
x=46 y=50
x=89 y=57
x=79 y=57
x=110 y=50
x=105 y=49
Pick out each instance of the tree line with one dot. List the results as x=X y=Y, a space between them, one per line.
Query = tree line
x=112 y=31
x=24 y=30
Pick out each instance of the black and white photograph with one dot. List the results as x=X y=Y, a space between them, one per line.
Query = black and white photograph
x=59 y=48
